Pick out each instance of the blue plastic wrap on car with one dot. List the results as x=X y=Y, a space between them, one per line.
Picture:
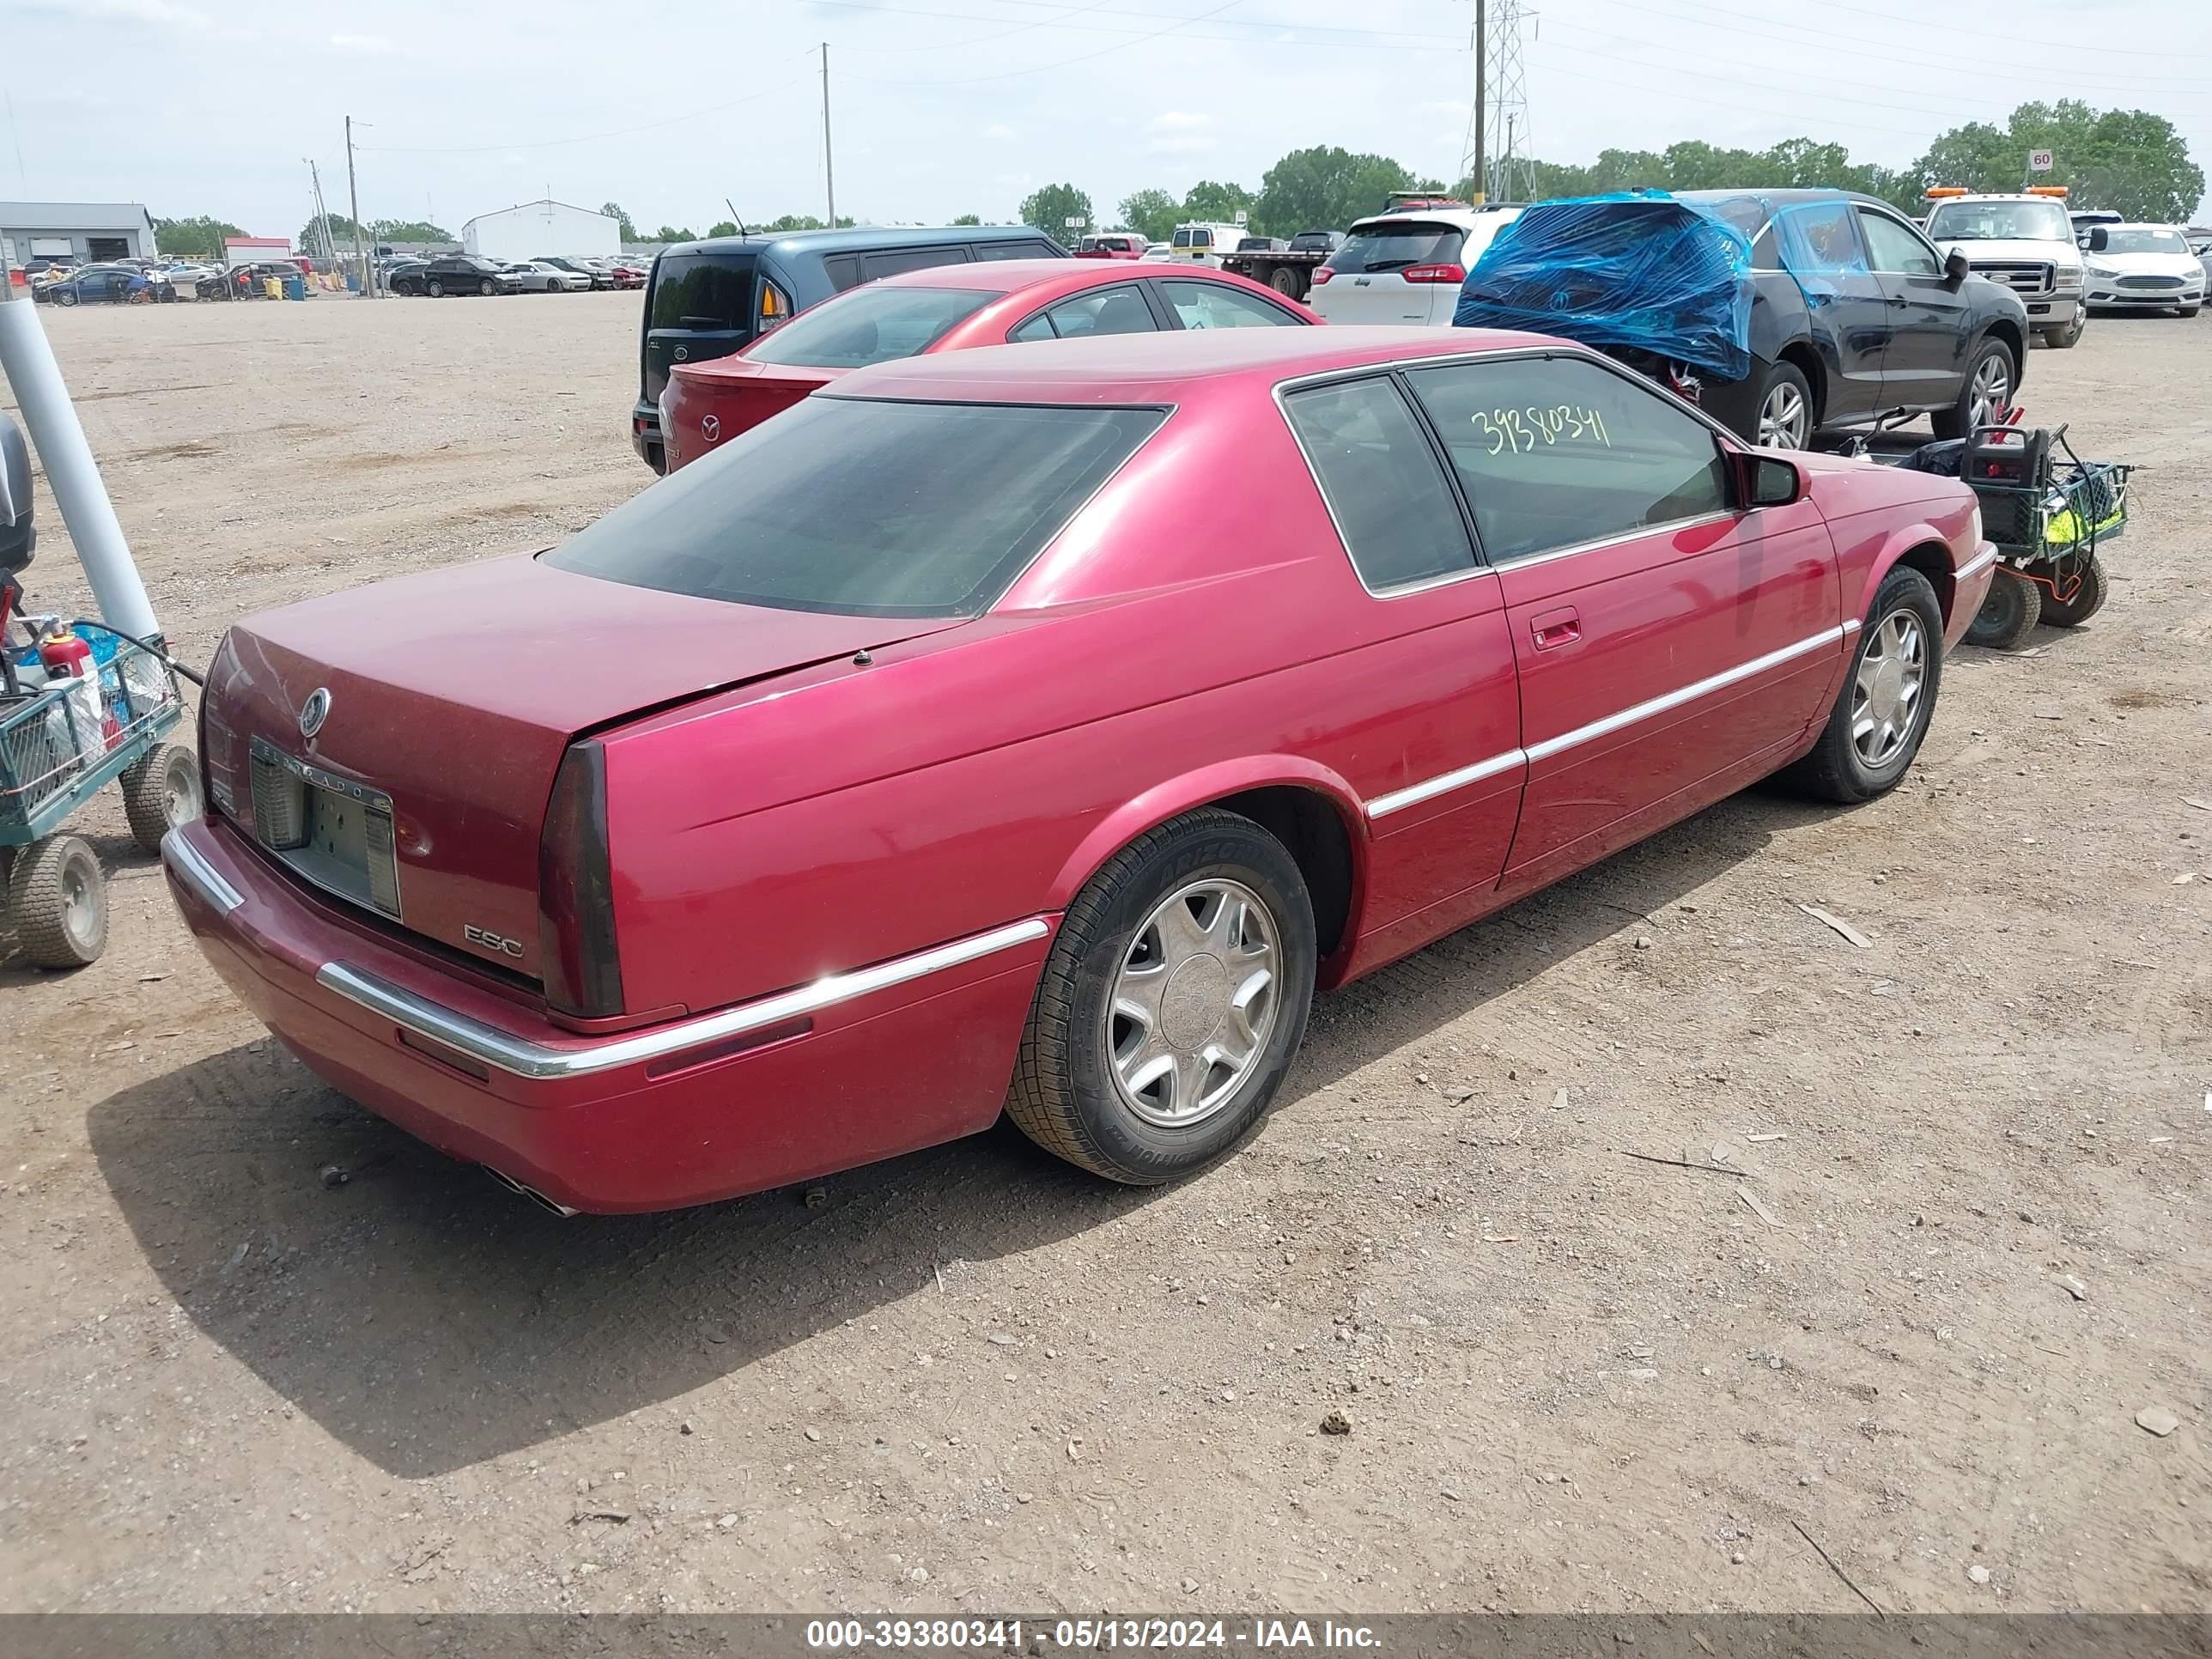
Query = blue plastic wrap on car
x=1639 y=270
x=1819 y=247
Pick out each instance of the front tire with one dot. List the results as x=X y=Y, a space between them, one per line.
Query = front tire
x=2186 y=313
x=1172 y=1004
x=2064 y=340
x=1881 y=714
x=1986 y=393
x=2088 y=597
x=2009 y=613
x=484 y=287
x=64 y=296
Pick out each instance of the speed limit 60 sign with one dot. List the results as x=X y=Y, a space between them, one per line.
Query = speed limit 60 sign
x=2039 y=161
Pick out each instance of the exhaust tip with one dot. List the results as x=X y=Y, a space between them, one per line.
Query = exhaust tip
x=530 y=1193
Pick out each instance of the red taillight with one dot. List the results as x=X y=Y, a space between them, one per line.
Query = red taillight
x=1434 y=274
x=1323 y=274
x=582 y=974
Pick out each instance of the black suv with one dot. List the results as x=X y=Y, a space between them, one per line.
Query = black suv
x=1853 y=313
x=708 y=299
x=454 y=273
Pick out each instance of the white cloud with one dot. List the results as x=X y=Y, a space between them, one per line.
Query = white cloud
x=368 y=46
x=1180 y=132
x=164 y=12
x=1000 y=132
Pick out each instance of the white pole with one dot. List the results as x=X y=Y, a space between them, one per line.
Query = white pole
x=27 y=358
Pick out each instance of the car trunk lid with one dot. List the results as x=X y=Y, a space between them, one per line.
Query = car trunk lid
x=712 y=404
x=439 y=708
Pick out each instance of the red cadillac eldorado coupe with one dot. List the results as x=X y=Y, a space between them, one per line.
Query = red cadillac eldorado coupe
x=1030 y=729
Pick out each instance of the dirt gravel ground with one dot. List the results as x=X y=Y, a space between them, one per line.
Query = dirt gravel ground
x=974 y=1380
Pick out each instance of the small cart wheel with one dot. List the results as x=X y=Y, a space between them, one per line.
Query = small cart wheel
x=2088 y=598
x=161 y=790
x=2008 y=615
x=57 y=903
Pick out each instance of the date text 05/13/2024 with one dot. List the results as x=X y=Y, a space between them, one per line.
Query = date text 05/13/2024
x=1262 y=1635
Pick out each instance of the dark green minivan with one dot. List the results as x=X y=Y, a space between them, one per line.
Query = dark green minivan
x=707 y=300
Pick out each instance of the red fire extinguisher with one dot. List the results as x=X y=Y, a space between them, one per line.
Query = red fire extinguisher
x=66 y=657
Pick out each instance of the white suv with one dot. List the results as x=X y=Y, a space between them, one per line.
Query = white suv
x=1406 y=266
x=2024 y=242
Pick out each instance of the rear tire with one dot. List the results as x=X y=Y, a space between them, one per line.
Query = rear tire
x=161 y=790
x=57 y=903
x=1168 y=931
x=2009 y=614
x=64 y=296
x=1786 y=418
x=1991 y=377
x=1881 y=715
x=1284 y=280
x=2088 y=598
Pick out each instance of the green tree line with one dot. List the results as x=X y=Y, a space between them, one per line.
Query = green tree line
x=2130 y=161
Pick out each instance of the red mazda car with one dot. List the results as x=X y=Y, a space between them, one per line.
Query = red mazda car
x=1029 y=731
x=949 y=308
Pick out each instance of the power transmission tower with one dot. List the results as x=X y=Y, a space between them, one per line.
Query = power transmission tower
x=1501 y=161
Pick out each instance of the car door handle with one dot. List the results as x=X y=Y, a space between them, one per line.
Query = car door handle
x=1554 y=629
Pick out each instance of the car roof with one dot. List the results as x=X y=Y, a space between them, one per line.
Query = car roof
x=1008 y=275
x=1464 y=218
x=863 y=236
x=1149 y=368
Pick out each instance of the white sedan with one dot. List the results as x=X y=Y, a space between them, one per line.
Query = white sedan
x=2142 y=268
x=542 y=277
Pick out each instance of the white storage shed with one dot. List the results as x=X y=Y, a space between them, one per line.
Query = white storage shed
x=536 y=230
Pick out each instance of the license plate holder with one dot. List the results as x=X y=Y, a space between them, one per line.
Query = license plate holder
x=346 y=847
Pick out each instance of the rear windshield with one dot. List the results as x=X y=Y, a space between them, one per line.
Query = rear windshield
x=1394 y=244
x=703 y=290
x=866 y=509
x=869 y=325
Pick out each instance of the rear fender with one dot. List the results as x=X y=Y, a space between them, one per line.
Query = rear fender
x=1208 y=784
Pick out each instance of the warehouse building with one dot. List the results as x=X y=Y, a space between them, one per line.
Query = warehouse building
x=80 y=231
x=537 y=230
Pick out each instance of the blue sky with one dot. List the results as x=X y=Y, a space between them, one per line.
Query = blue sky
x=946 y=106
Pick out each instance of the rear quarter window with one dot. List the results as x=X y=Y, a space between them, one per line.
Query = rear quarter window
x=866 y=509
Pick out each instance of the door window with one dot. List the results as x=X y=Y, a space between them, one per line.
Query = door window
x=1118 y=310
x=1217 y=305
x=1012 y=251
x=1379 y=475
x=1892 y=247
x=1556 y=452
x=1819 y=247
x=891 y=261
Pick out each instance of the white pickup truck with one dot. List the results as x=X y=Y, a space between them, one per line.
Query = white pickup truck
x=2024 y=242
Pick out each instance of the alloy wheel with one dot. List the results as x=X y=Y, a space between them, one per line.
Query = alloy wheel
x=1193 y=1002
x=1992 y=391
x=1783 y=419
x=1886 y=695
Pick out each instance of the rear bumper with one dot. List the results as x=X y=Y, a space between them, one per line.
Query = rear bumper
x=645 y=435
x=842 y=1072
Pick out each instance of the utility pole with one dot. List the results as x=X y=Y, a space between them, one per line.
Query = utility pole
x=353 y=201
x=829 y=173
x=322 y=212
x=1481 y=88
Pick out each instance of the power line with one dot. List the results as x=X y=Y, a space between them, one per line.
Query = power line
x=1918 y=26
x=591 y=137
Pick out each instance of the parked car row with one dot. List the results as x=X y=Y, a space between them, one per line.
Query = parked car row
x=471 y=273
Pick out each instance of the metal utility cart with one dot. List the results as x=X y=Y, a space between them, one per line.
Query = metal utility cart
x=63 y=738
x=2049 y=512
